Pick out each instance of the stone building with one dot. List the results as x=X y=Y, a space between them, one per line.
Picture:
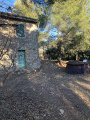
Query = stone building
x=18 y=42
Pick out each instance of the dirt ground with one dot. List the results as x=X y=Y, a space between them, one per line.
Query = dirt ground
x=45 y=94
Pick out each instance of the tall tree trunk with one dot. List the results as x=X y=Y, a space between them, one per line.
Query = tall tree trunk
x=43 y=51
x=77 y=57
x=58 y=32
x=59 y=47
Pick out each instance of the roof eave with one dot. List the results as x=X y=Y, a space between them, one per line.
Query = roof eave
x=17 y=17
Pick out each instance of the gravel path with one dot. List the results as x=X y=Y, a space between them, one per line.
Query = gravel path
x=46 y=94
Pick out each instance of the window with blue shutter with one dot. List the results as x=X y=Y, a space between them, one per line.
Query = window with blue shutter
x=20 y=30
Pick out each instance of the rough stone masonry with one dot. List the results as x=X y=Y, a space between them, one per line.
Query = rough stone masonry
x=18 y=47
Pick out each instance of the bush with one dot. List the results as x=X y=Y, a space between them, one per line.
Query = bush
x=52 y=53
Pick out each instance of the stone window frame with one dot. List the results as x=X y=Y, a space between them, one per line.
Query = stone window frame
x=16 y=32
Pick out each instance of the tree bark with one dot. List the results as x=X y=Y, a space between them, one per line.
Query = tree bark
x=59 y=47
x=43 y=52
x=77 y=57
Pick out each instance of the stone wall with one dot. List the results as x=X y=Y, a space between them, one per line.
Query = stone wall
x=29 y=43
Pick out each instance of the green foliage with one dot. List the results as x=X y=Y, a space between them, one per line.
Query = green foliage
x=52 y=53
x=71 y=18
x=30 y=9
x=42 y=43
x=42 y=35
x=43 y=20
x=84 y=55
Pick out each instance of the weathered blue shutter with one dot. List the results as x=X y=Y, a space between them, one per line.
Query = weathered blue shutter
x=20 y=30
x=21 y=59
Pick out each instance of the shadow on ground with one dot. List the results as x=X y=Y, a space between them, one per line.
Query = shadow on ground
x=40 y=95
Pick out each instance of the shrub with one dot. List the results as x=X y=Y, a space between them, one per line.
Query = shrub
x=52 y=53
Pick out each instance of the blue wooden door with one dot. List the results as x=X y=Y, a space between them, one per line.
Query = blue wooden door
x=21 y=59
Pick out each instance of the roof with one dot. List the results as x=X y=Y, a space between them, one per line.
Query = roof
x=17 y=17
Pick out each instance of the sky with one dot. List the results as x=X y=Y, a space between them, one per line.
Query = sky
x=6 y=3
